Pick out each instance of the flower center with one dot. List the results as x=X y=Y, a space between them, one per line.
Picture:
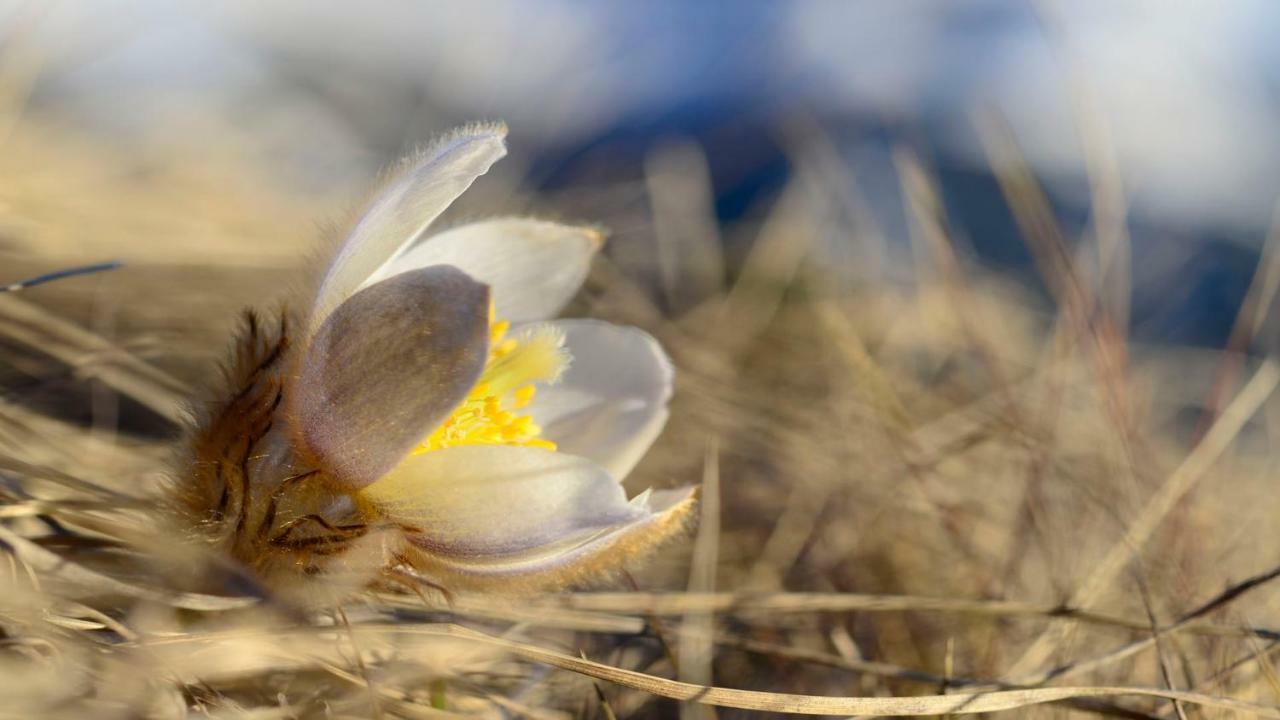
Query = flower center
x=491 y=413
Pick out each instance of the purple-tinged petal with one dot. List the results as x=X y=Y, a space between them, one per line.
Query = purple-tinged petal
x=386 y=367
x=575 y=560
x=416 y=193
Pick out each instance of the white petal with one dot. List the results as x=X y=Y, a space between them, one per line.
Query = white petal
x=483 y=501
x=611 y=403
x=586 y=557
x=533 y=267
x=413 y=197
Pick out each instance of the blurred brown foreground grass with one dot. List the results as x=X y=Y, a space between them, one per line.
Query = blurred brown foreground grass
x=930 y=492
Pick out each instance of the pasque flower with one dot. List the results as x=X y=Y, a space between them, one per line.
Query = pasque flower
x=428 y=394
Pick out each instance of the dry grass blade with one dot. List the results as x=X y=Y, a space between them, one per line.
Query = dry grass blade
x=1175 y=487
x=775 y=259
x=857 y=358
x=73 y=345
x=88 y=582
x=947 y=680
x=66 y=480
x=1221 y=600
x=1254 y=309
x=537 y=615
x=745 y=605
x=1108 y=205
x=688 y=241
x=930 y=466
x=696 y=650
x=957 y=703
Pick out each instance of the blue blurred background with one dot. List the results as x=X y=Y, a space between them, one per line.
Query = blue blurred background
x=1176 y=101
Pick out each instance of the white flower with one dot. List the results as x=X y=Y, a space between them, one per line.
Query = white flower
x=432 y=387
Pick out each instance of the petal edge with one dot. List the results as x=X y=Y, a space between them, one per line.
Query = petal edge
x=533 y=266
x=415 y=193
x=384 y=368
x=610 y=405
x=478 y=502
x=592 y=560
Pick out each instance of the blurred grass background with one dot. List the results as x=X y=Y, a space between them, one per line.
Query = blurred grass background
x=970 y=305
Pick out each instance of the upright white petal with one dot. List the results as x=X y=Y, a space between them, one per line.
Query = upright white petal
x=413 y=197
x=611 y=403
x=484 y=501
x=533 y=267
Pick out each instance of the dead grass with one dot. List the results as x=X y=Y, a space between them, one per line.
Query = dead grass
x=936 y=496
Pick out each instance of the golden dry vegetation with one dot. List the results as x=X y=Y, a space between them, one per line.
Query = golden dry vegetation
x=923 y=493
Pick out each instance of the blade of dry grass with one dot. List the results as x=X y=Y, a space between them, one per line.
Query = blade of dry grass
x=1108 y=204
x=853 y=351
x=745 y=605
x=958 y=703
x=852 y=662
x=695 y=652
x=502 y=610
x=867 y=668
x=770 y=267
x=1253 y=312
x=90 y=582
x=689 y=246
x=1045 y=239
x=1254 y=660
x=93 y=355
x=21 y=61
x=66 y=480
x=1175 y=487
x=1267 y=670
x=1219 y=601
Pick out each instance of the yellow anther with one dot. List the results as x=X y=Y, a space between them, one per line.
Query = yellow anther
x=489 y=415
x=524 y=396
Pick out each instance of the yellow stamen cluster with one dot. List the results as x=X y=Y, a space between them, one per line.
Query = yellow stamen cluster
x=489 y=415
